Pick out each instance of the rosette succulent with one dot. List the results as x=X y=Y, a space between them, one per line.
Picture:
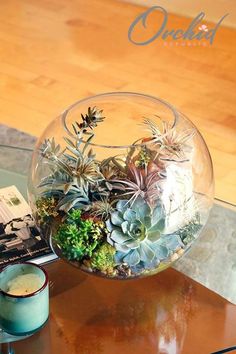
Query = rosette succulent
x=136 y=232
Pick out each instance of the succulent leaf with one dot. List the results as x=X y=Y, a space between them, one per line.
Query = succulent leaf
x=137 y=236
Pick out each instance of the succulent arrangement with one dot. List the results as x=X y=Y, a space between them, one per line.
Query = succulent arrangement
x=113 y=217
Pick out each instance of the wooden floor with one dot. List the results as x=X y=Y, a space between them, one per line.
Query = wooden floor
x=54 y=52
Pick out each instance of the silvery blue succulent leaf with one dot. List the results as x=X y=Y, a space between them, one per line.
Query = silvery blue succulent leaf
x=116 y=219
x=125 y=227
x=132 y=258
x=122 y=205
x=154 y=236
x=147 y=222
x=141 y=208
x=122 y=248
x=129 y=215
x=132 y=244
x=109 y=225
x=146 y=252
x=119 y=257
x=151 y=265
x=172 y=241
x=157 y=213
x=118 y=236
x=161 y=252
x=158 y=227
x=134 y=228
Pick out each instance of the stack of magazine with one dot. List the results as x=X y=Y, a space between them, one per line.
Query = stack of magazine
x=20 y=239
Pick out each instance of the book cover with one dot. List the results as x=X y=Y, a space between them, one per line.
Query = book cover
x=20 y=239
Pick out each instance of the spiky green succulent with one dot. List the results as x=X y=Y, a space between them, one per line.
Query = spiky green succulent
x=68 y=195
x=82 y=165
x=78 y=238
x=103 y=259
x=50 y=150
x=75 y=172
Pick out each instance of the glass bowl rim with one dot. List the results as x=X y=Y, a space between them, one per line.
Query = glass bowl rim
x=118 y=93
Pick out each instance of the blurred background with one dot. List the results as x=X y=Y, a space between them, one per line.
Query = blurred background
x=214 y=9
x=55 y=52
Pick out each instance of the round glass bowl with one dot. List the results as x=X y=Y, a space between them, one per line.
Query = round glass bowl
x=121 y=184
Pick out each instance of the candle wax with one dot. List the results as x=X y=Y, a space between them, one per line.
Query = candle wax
x=24 y=284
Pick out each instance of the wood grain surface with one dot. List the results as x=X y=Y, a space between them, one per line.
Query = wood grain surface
x=54 y=52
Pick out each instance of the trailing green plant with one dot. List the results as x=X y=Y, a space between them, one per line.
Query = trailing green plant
x=78 y=238
x=103 y=259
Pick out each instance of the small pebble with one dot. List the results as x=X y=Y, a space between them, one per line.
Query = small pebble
x=174 y=257
x=180 y=252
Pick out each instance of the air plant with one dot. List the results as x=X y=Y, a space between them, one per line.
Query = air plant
x=76 y=197
x=110 y=168
x=172 y=146
x=102 y=208
x=140 y=184
x=84 y=169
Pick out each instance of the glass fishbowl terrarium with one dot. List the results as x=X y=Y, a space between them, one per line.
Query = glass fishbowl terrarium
x=121 y=184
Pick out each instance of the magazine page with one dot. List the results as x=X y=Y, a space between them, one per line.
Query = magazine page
x=20 y=239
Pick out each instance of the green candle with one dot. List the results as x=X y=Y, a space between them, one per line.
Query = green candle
x=24 y=300
x=24 y=284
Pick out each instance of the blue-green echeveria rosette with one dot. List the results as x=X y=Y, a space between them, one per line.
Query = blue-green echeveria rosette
x=136 y=232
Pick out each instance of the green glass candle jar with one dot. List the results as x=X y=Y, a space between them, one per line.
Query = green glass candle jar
x=24 y=298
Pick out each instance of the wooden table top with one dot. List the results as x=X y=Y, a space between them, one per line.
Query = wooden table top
x=54 y=52
x=164 y=314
